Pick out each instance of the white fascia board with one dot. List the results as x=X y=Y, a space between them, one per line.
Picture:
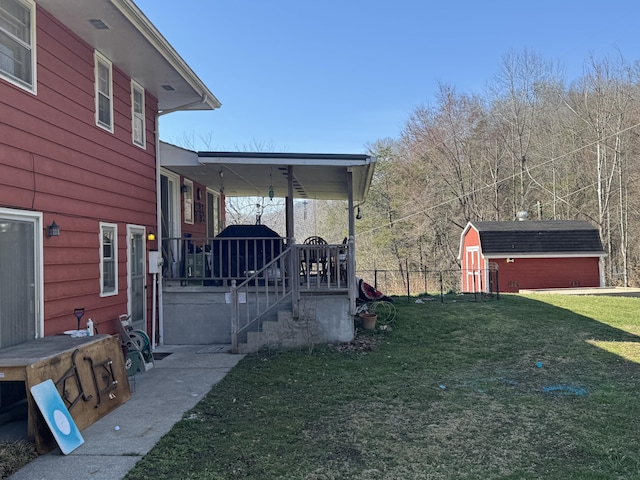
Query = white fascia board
x=462 y=235
x=284 y=161
x=545 y=255
x=172 y=156
x=155 y=38
x=366 y=180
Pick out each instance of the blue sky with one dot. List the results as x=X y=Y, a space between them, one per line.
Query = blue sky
x=303 y=76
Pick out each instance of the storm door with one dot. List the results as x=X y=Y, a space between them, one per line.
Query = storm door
x=170 y=200
x=136 y=274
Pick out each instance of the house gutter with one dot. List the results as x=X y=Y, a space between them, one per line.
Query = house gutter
x=202 y=100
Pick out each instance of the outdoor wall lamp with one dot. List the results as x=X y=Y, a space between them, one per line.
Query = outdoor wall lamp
x=151 y=236
x=184 y=189
x=53 y=230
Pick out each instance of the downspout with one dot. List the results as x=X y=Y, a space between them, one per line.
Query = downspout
x=202 y=100
x=158 y=235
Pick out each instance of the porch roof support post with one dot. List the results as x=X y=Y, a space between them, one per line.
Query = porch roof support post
x=351 y=257
x=235 y=324
x=289 y=202
x=293 y=256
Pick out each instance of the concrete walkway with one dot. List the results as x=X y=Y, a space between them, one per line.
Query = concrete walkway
x=160 y=397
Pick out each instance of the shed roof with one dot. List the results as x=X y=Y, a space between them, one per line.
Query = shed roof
x=538 y=237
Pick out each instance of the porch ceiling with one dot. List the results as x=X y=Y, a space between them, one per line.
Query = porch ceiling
x=136 y=47
x=244 y=174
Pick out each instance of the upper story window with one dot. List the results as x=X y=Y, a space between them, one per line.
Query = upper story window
x=108 y=259
x=17 y=43
x=137 y=115
x=104 y=92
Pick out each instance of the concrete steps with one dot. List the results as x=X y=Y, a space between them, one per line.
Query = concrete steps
x=320 y=321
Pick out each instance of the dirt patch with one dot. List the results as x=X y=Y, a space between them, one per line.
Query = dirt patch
x=359 y=344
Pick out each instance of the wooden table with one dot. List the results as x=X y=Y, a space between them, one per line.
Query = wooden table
x=89 y=373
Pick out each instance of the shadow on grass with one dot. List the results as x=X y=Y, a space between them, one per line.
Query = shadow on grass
x=518 y=388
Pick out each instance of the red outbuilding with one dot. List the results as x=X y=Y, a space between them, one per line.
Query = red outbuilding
x=509 y=256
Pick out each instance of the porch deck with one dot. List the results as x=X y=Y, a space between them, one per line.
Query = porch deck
x=225 y=290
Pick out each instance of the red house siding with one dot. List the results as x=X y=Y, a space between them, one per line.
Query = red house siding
x=55 y=160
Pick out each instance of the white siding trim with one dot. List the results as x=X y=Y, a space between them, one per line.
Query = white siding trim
x=490 y=256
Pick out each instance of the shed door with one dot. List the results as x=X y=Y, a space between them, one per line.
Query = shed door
x=474 y=270
x=18 y=279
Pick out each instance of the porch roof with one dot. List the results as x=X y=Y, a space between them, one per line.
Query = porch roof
x=119 y=30
x=246 y=174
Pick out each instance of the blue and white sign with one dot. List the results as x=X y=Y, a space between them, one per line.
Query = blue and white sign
x=57 y=416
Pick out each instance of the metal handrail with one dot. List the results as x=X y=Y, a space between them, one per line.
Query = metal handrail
x=259 y=294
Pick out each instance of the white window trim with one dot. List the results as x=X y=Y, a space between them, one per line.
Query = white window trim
x=136 y=86
x=33 y=88
x=187 y=202
x=115 y=259
x=97 y=59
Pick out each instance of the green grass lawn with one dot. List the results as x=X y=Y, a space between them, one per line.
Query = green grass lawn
x=538 y=386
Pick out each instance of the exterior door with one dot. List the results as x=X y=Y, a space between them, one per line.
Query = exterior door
x=213 y=215
x=136 y=275
x=169 y=200
x=20 y=277
x=474 y=273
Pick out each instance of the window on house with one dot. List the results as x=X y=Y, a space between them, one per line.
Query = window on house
x=137 y=114
x=108 y=259
x=17 y=42
x=104 y=92
x=213 y=214
x=188 y=201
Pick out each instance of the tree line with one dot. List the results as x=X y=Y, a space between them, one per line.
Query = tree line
x=532 y=142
